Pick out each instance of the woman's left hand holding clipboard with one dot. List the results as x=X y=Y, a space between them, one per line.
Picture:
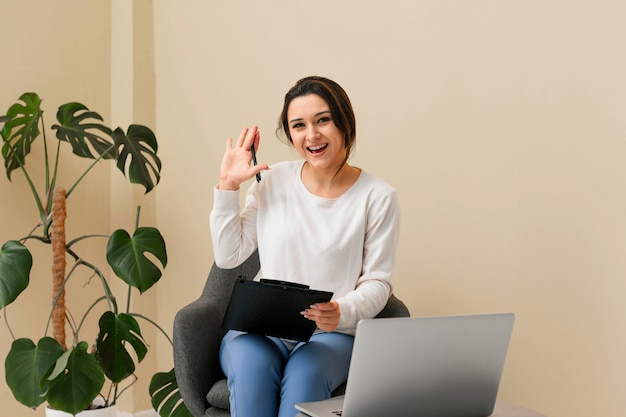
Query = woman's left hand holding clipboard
x=325 y=315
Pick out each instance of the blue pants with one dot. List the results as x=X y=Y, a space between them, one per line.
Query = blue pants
x=267 y=380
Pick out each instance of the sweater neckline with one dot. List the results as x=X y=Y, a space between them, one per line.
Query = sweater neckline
x=301 y=186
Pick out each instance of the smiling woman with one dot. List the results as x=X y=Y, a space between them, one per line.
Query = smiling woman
x=320 y=222
x=337 y=103
x=317 y=139
x=319 y=122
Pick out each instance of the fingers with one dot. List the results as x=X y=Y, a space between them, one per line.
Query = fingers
x=248 y=137
x=329 y=306
x=236 y=162
x=242 y=137
x=325 y=315
x=256 y=140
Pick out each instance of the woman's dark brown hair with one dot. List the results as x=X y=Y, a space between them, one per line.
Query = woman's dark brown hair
x=337 y=100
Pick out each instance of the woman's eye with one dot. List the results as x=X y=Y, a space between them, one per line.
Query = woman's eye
x=297 y=125
x=324 y=119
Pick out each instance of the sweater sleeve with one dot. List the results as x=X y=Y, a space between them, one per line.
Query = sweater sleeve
x=374 y=286
x=233 y=232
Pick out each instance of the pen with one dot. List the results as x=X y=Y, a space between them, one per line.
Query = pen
x=258 y=175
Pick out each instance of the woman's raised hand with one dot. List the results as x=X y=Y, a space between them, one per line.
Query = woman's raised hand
x=236 y=167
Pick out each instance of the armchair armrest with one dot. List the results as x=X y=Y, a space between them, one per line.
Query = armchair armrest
x=394 y=308
x=197 y=337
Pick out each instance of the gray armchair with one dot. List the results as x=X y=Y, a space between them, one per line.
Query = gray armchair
x=198 y=334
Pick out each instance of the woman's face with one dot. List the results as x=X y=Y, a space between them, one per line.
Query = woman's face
x=314 y=134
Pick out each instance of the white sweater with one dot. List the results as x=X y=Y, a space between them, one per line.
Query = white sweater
x=345 y=245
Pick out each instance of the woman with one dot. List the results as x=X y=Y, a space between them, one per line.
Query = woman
x=319 y=221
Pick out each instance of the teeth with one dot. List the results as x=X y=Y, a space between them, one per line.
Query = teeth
x=316 y=148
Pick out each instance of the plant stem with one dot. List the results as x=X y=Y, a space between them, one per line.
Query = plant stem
x=130 y=287
x=82 y=321
x=89 y=169
x=53 y=181
x=108 y=397
x=117 y=395
x=108 y=294
x=71 y=322
x=39 y=238
x=128 y=295
x=45 y=156
x=6 y=321
x=33 y=190
x=96 y=271
x=31 y=185
x=137 y=218
x=141 y=316
x=78 y=239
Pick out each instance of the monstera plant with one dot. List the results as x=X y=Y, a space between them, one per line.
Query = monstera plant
x=69 y=376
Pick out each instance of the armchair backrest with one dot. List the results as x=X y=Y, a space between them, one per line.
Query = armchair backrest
x=219 y=284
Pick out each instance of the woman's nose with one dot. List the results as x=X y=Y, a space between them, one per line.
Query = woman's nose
x=312 y=133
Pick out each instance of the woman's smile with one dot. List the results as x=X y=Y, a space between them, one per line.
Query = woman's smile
x=317 y=149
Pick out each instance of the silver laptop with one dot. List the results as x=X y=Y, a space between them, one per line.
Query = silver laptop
x=423 y=367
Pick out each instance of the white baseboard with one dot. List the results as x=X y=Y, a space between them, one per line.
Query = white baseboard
x=145 y=413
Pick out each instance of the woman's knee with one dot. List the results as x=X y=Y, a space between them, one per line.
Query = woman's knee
x=327 y=347
x=249 y=353
x=324 y=360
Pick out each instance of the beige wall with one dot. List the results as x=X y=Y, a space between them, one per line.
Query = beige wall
x=501 y=123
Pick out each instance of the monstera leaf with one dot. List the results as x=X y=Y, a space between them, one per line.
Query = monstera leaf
x=21 y=128
x=138 y=155
x=127 y=257
x=165 y=395
x=15 y=264
x=27 y=366
x=115 y=331
x=76 y=380
x=81 y=128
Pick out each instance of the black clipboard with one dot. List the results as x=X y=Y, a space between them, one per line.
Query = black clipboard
x=272 y=308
